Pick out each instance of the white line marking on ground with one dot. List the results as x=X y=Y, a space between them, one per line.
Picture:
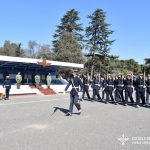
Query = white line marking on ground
x=30 y=102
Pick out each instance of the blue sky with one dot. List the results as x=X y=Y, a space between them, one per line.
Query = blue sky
x=24 y=20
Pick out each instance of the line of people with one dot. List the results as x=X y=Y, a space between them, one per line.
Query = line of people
x=118 y=89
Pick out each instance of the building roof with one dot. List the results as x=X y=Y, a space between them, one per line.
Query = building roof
x=11 y=61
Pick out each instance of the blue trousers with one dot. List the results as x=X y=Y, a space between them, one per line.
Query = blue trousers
x=74 y=101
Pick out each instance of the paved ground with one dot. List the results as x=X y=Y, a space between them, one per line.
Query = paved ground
x=28 y=123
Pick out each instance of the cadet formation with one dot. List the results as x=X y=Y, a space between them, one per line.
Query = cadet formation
x=126 y=90
x=118 y=90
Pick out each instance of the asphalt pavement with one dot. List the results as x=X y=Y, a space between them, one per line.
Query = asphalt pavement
x=39 y=123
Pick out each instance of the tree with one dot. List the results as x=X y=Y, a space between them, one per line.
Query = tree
x=33 y=48
x=69 y=24
x=19 y=51
x=12 y=49
x=68 y=49
x=45 y=52
x=97 y=34
x=68 y=43
x=147 y=65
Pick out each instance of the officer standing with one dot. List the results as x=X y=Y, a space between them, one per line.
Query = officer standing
x=140 y=90
x=109 y=89
x=48 y=79
x=147 y=89
x=7 y=86
x=18 y=80
x=96 y=88
x=128 y=86
x=85 y=87
x=119 y=88
x=37 y=81
x=75 y=81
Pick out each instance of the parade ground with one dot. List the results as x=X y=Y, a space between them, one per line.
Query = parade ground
x=39 y=123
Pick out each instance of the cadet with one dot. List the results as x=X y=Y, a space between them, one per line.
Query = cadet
x=7 y=86
x=37 y=81
x=96 y=88
x=104 y=84
x=48 y=79
x=85 y=87
x=147 y=89
x=118 y=83
x=74 y=95
x=18 y=80
x=109 y=88
x=128 y=86
x=140 y=90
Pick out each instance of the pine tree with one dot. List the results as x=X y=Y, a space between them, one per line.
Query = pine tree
x=68 y=43
x=69 y=24
x=68 y=49
x=97 y=34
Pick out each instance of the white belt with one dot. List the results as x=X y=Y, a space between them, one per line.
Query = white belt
x=120 y=85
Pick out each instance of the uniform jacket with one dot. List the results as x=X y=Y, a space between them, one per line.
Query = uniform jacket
x=75 y=83
x=96 y=84
x=7 y=84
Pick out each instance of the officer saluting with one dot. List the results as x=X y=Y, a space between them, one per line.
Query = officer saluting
x=96 y=88
x=140 y=90
x=75 y=81
x=128 y=86
x=7 y=86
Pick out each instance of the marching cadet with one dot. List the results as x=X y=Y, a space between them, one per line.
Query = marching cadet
x=75 y=81
x=147 y=89
x=128 y=86
x=140 y=90
x=135 y=86
x=103 y=87
x=109 y=89
x=96 y=88
x=7 y=86
x=85 y=87
x=119 y=87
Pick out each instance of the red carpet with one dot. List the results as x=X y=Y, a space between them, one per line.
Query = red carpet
x=45 y=91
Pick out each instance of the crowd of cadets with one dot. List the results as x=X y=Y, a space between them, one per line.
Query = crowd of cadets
x=118 y=89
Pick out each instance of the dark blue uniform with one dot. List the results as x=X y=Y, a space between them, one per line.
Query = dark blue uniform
x=104 y=84
x=7 y=85
x=147 y=90
x=96 y=88
x=85 y=87
x=128 y=86
x=118 y=83
x=74 y=97
x=109 y=89
x=140 y=90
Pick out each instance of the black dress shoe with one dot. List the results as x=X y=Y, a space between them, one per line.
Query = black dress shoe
x=68 y=114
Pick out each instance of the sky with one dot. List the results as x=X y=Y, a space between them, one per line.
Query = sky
x=24 y=20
